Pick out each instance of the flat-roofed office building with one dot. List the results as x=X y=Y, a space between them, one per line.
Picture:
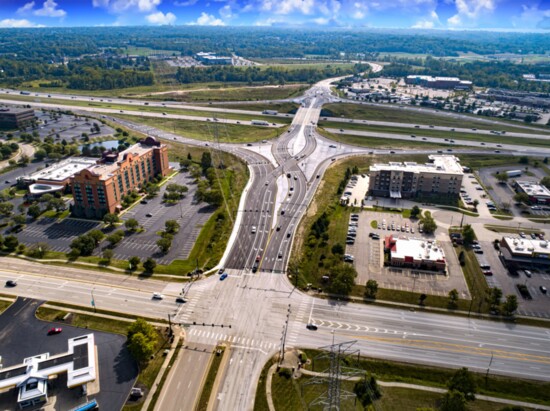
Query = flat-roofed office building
x=12 y=118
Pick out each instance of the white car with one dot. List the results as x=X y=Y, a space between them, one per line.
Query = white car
x=253 y=230
x=158 y=296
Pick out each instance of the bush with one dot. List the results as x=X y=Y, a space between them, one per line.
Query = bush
x=285 y=373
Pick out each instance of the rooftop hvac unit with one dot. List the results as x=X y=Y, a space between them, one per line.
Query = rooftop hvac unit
x=544 y=244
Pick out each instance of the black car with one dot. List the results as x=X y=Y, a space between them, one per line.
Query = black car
x=181 y=300
x=11 y=283
x=312 y=327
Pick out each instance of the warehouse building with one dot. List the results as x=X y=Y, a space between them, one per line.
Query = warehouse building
x=442 y=175
x=212 y=59
x=414 y=253
x=538 y=194
x=98 y=189
x=13 y=118
x=439 y=82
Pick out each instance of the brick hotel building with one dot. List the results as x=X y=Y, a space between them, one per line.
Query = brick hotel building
x=98 y=189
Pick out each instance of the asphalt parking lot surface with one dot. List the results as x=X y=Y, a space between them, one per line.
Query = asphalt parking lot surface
x=58 y=234
x=23 y=335
x=369 y=255
x=189 y=215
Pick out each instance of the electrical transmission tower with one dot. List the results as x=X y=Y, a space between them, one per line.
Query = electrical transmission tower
x=340 y=357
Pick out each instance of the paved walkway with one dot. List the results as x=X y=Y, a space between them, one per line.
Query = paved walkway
x=24 y=149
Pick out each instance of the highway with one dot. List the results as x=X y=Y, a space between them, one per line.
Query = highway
x=250 y=310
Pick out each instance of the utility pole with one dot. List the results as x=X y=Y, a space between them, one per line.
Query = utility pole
x=170 y=325
x=283 y=338
x=93 y=300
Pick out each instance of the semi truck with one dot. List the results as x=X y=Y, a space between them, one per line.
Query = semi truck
x=259 y=123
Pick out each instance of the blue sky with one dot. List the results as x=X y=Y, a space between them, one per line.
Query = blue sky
x=427 y=14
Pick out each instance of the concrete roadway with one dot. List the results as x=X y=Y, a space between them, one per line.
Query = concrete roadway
x=512 y=147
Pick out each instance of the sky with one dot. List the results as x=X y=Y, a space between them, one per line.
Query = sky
x=521 y=15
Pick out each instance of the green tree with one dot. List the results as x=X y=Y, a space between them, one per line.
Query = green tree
x=463 y=381
x=108 y=254
x=415 y=211
x=57 y=203
x=131 y=224
x=38 y=250
x=453 y=401
x=521 y=198
x=453 y=299
x=523 y=160
x=97 y=235
x=493 y=298
x=510 y=305
x=6 y=208
x=502 y=177
x=34 y=211
x=342 y=279
x=110 y=219
x=371 y=289
x=141 y=348
x=143 y=327
x=149 y=265
x=545 y=181
x=338 y=249
x=367 y=391
x=40 y=154
x=428 y=223
x=11 y=242
x=206 y=161
x=171 y=226
x=468 y=234
x=134 y=262
x=164 y=244
x=214 y=197
x=83 y=245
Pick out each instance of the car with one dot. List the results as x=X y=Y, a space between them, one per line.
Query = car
x=350 y=242
x=278 y=228
x=487 y=272
x=148 y=215
x=413 y=136
x=332 y=146
x=249 y=144
x=223 y=276
x=295 y=177
x=341 y=130
x=291 y=189
x=497 y=151
x=221 y=270
x=280 y=256
x=533 y=236
x=136 y=392
x=267 y=183
x=311 y=327
x=375 y=237
x=528 y=273
x=253 y=230
x=282 y=212
x=157 y=296
x=11 y=283
x=348 y=259
x=143 y=201
x=498 y=145
x=478 y=251
x=416 y=126
x=288 y=234
x=163 y=114
x=181 y=300
x=522 y=235
x=55 y=330
x=424 y=138
x=543 y=289
x=536 y=207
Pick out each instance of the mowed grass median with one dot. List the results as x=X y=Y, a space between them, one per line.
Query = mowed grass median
x=425 y=117
x=206 y=131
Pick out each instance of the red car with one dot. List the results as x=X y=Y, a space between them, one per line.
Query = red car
x=487 y=272
x=55 y=330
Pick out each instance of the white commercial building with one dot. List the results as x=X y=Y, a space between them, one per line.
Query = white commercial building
x=538 y=194
x=61 y=172
x=415 y=253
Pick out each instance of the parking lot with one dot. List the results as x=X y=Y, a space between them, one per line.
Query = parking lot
x=57 y=233
x=369 y=258
x=23 y=335
x=189 y=215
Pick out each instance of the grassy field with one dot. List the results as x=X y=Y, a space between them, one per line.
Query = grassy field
x=395 y=114
x=4 y=305
x=201 y=130
x=380 y=143
x=210 y=379
x=280 y=107
x=488 y=138
x=153 y=109
x=498 y=386
x=243 y=93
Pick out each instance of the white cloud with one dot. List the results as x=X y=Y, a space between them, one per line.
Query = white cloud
x=15 y=23
x=185 y=3
x=428 y=23
x=206 y=19
x=322 y=21
x=26 y=8
x=161 y=19
x=119 y=6
x=358 y=15
x=531 y=16
x=470 y=10
x=226 y=12
x=288 y=6
x=49 y=9
x=361 y=10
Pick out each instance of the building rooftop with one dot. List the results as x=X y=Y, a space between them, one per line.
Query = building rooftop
x=526 y=247
x=417 y=249
x=533 y=189
x=59 y=172
x=445 y=164
x=106 y=170
x=14 y=110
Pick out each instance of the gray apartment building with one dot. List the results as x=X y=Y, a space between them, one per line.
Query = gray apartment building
x=441 y=176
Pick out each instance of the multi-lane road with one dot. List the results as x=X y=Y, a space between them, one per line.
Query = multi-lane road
x=259 y=303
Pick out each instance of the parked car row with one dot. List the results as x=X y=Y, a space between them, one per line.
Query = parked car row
x=392 y=226
x=352 y=229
